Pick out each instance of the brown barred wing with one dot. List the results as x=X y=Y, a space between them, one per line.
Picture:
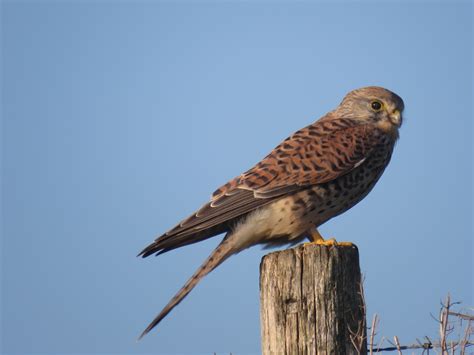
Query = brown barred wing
x=314 y=155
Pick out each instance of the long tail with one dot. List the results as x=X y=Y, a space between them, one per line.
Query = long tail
x=221 y=253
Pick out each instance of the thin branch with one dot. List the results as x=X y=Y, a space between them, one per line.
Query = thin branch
x=398 y=345
x=380 y=344
x=462 y=315
x=447 y=326
x=443 y=326
x=418 y=346
x=372 y=333
x=358 y=338
x=465 y=339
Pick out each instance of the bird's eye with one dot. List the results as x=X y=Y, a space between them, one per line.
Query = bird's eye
x=376 y=105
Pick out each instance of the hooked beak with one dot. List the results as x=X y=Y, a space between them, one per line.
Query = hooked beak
x=396 y=118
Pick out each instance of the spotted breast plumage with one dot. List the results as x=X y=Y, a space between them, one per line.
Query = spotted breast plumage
x=317 y=173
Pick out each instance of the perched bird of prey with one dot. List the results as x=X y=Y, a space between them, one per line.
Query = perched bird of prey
x=317 y=173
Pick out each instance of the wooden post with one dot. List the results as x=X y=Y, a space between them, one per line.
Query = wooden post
x=311 y=301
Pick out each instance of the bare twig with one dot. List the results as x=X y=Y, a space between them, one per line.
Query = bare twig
x=418 y=346
x=359 y=337
x=398 y=345
x=380 y=343
x=462 y=316
x=465 y=339
x=443 y=326
x=445 y=345
x=375 y=321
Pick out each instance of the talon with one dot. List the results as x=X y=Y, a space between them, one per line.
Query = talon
x=328 y=242
x=334 y=242
x=316 y=238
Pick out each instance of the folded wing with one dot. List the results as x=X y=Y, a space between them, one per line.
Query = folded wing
x=313 y=155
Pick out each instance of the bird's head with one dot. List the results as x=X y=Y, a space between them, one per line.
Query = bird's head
x=374 y=105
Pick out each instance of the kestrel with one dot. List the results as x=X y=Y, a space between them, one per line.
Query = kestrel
x=317 y=173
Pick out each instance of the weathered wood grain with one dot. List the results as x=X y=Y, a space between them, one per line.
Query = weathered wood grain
x=311 y=301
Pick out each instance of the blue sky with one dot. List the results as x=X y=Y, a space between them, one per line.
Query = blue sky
x=120 y=118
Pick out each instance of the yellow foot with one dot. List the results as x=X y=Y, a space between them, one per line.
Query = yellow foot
x=330 y=243
x=317 y=238
x=333 y=242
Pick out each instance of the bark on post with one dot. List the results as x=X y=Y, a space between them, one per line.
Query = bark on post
x=311 y=301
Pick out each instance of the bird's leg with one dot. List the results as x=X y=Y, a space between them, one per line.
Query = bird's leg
x=316 y=238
